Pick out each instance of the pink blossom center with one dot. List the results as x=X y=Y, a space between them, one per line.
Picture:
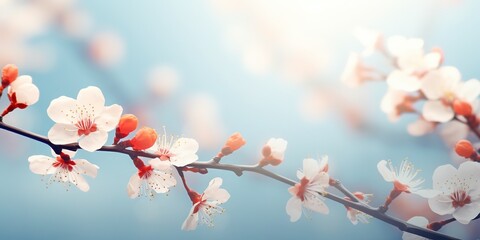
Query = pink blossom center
x=145 y=171
x=164 y=154
x=302 y=187
x=400 y=186
x=460 y=198
x=61 y=163
x=86 y=126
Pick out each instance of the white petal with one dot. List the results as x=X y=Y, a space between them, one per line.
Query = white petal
x=466 y=213
x=184 y=152
x=420 y=127
x=315 y=204
x=85 y=167
x=27 y=94
x=160 y=181
x=386 y=173
x=441 y=205
x=310 y=168
x=220 y=196
x=432 y=60
x=191 y=221
x=160 y=165
x=63 y=134
x=401 y=80
x=427 y=193
x=60 y=110
x=93 y=141
x=92 y=98
x=40 y=164
x=469 y=90
x=78 y=181
x=294 y=208
x=432 y=85
x=352 y=216
x=436 y=111
x=108 y=119
x=278 y=147
x=68 y=152
x=417 y=221
x=442 y=175
x=214 y=185
x=21 y=80
x=133 y=186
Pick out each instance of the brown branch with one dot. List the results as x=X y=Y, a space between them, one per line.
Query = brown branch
x=239 y=170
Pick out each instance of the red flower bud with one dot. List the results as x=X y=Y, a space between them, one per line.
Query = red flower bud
x=462 y=108
x=464 y=148
x=9 y=74
x=145 y=138
x=233 y=143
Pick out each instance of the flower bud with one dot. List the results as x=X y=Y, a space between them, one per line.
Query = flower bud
x=273 y=152
x=9 y=74
x=145 y=138
x=462 y=108
x=233 y=143
x=464 y=148
x=127 y=124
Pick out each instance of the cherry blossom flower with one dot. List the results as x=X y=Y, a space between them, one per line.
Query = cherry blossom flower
x=411 y=61
x=206 y=206
x=273 y=152
x=404 y=179
x=64 y=169
x=442 y=87
x=176 y=152
x=396 y=102
x=313 y=182
x=355 y=73
x=356 y=216
x=233 y=143
x=417 y=221
x=150 y=179
x=21 y=93
x=85 y=119
x=459 y=191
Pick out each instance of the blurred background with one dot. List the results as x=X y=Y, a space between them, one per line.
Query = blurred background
x=205 y=69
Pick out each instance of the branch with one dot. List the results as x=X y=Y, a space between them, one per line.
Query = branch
x=239 y=170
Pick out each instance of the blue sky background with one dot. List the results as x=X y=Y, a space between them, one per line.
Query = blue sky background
x=190 y=36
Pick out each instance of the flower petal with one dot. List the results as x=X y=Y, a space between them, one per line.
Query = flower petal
x=62 y=133
x=467 y=213
x=85 y=167
x=386 y=173
x=27 y=94
x=436 y=111
x=294 y=208
x=60 y=110
x=417 y=221
x=133 y=186
x=441 y=205
x=191 y=221
x=401 y=80
x=470 y=90
x=316 y=204
x=108 y=119
x=92 y=98
x=40 y=164
x=184 y=152
x=93 y=141
x=310 y=168
x=78 y=181
x=160 y=165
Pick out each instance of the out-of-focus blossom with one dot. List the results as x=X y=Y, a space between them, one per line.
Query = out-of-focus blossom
x=203 y=120
x=442 y=87
x=150 y=179
x=396 y=102
x=356 y=216
x=459 y=191
x=417 y=221
x=206 y=206
x=453 y=131
x=411 y=61
x=404 y=179
x=85 y=119
x=64 y=169
x=273 y=152
x=370 y=39
x=176 y=152
x=355 y=72
x=163 y=81
x=420 y=127
x=307 y=193
x=106 y=49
